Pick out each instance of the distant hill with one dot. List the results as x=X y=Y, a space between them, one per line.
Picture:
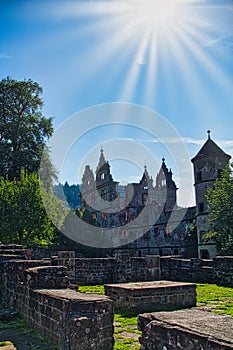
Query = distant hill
x=70 y=193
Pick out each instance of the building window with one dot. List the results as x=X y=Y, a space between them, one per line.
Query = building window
x=202 y=234
x=104 y=216
x=201 y=207
x=147 y=235
x=104 y=194
x=102 y=176
x=199 y=176
x=204 y=254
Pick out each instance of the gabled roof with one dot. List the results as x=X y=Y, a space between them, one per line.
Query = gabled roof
x=210 y=148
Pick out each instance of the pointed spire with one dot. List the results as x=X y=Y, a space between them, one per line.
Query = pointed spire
x=145 y=170
x=208 y=132
x=102 y=160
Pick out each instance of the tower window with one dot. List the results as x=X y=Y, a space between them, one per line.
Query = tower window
x=204 y=254
x=201 y=207
x=199 y=176
x=102 y=176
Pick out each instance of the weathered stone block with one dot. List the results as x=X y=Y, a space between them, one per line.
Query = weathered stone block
x=47 y=276
x=152 y=296
x=185 y=330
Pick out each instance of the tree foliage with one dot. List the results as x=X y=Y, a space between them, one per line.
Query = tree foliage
x=220 y=205
x=24 y=219
x=23 y=128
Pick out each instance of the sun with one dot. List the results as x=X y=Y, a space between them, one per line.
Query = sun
x=158 y=45
x=154 y=14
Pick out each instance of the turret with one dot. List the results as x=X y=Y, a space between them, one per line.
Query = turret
x=208 y=165
x=165 y=188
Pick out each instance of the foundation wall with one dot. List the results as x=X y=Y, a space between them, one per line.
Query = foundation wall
x=69 y=319
x=185 y=330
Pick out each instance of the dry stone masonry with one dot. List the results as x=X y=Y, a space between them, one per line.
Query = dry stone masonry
x=148 y=296
x=185 y=330
x=69 y=319
x=44 y=291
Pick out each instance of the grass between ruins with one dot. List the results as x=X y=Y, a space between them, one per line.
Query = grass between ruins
x=218 y=299
x=210 y=297
x=17 y=332
x=4 y=343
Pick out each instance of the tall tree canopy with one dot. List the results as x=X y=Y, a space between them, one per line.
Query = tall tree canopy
x=23 y=128
x=220 y=200
x=24 y=219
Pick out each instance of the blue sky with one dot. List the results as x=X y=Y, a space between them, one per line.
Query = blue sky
x=172 y=56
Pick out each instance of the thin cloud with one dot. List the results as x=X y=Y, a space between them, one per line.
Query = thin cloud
x=186 y=140
x=4 y=55
x=225 y=41
x=172 y=140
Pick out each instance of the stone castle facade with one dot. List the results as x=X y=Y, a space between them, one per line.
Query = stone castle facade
x=114 y=206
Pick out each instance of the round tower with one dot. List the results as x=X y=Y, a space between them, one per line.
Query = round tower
x=208 y=165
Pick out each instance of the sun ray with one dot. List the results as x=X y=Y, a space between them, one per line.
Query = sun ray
x=158 y=46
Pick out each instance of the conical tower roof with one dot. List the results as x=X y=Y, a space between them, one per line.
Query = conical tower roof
x=102 y=160
x=210 y=148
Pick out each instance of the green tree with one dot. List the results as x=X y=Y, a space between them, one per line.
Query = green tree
x=23 y=128
x=24 y=219
x=86 y=216
x=190 y=242
x=220 y=205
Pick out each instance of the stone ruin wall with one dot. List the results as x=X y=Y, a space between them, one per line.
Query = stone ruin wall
x=94 y=271
x=217 y=271
x=123 y=268
x=29 y=286
x=42 y=295
x=185 y=329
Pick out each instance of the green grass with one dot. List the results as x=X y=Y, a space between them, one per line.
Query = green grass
x=17 y=323
x=220 y=299
x=92 y=289
x=126 y=344
x=21 y=329
x=125 y=318
x=125 y=321
x=4 y=343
